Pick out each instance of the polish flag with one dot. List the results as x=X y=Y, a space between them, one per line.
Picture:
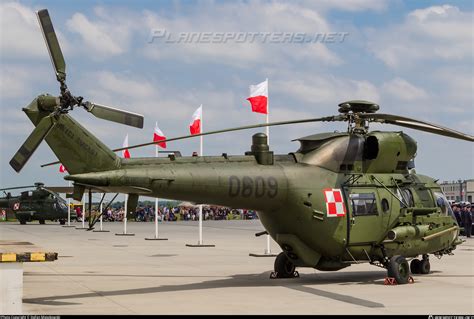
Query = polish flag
x=195 y=125
x=159 y=136
x=259 y=97
x=62 y=169
x=125 y=153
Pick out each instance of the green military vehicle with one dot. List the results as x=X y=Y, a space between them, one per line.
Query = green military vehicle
x=37 y=204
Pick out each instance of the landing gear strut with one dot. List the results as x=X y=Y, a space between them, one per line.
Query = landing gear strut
x=284 y=268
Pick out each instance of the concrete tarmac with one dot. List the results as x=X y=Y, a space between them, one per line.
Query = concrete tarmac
x=100 y=273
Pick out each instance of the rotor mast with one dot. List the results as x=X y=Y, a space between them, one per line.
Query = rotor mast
x=352 y=109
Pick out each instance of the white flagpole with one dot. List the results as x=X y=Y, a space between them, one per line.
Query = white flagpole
x=268 y=251
x=156 y=199
x=101 y=207
x=125 y=215
x=83 y=210
x=69 y=209
x=268 y=115
x=201 y=154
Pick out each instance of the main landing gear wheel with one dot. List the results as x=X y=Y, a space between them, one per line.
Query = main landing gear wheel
x=22 y=221
x=284 y=268
x=62 y=222
x=415 y=266
x=42 y=221
x=425 y=265
x=398 y=268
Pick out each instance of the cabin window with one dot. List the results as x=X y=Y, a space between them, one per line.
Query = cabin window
x=363 y=204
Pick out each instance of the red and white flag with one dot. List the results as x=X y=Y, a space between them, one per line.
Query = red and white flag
x=159 y=136
x=195 y=125
x=125 y=153
x=62 y=169
x=259 y=97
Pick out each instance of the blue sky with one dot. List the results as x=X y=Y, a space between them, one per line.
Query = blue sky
x=414 y=58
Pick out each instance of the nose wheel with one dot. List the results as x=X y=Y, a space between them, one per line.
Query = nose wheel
x=284 y=268
x=420 y=267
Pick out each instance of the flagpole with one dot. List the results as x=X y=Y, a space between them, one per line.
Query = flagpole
x=192 y=128
x=268 y=114
x=156 y=199
x=69 y=209
x=125 y=213
x=201 y=154
x=268 y=251
x=83 y=211
x=100 y=210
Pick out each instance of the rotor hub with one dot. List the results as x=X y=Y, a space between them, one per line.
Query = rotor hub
x=353 y=109
x=358 y=106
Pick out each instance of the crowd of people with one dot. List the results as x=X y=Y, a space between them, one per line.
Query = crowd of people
x=463 y=212
x=147 y=213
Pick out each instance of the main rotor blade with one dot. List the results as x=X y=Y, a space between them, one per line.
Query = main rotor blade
x=18 y=187
x=60 y=189
x=32 y=142
x=240 y=128
x=114 y=115
x=332 y=118
x=52 y=43
x=417 y=125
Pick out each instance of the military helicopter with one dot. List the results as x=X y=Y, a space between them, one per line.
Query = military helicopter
x=342 y=198
x=41 y=204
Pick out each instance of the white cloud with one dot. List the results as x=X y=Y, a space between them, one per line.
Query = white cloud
x=246 y=17
x=16 y=80
x=327 y=91
x=434 y=33
x=21 y=35
x=95 y=37
x=20 y=32
x=349 y=5
x=109 y=34
x=403 y=90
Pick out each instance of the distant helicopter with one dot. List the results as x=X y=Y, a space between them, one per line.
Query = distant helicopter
x=342 y=198
x=40 y=203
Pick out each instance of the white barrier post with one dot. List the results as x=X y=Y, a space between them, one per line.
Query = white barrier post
x=156 y=222
x=156 y=217
x=69 y=211
x=83 y=210
x=125 y=220
x=100 y=218
x=200 y=225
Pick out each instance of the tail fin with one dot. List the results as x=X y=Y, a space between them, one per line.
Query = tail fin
x=77 y=149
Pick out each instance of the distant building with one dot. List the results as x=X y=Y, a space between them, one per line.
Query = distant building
x=459 y=190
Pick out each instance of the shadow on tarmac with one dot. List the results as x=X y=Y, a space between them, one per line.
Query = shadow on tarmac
x=236 y=281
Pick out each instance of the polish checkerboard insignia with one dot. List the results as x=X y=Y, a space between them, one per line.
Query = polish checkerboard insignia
x=334 y=202
x=16 y=206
